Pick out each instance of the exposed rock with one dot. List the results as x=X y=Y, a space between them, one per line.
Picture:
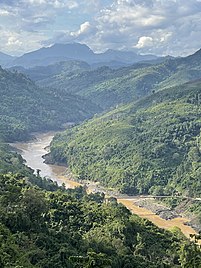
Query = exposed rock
x=160 y=210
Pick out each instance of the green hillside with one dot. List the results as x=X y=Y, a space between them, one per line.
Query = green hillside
x=151 y=146
x=24 y=107
x=108 y=88
x=48 y=74
x=43 y=225
x=68 y=228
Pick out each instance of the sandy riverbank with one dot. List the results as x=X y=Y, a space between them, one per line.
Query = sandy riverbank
x=162 y=223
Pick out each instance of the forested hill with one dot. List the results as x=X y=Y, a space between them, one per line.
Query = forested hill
x=108 y=88
x=43 y=225
x=68 y=228
x=151 y=146
x=61 y=69
x=24 y=107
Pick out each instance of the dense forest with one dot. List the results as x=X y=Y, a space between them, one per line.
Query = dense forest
x=44 y=225
x=26 y=108
x=151 y=146
x=68 y=228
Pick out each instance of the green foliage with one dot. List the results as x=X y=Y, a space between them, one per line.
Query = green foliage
x=189 y=257
x=12 y=163
x=59 y=70
x=68 y=228
x=151 y=146
x=108 y=88
x=25 y=107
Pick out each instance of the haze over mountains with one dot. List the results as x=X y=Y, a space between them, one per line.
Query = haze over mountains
x=108 y=87
x=74 y=51
x=5 y=59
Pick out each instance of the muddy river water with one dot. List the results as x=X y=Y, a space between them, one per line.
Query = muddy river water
x=33 y=151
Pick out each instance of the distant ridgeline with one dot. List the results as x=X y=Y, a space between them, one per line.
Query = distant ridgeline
x=150 y=146
x=110 y=87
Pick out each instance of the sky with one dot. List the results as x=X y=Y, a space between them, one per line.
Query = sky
x=160 y=27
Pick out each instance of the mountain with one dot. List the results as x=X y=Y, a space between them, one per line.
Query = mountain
x=5 y=59
x=56 y=53
x=105 y=86
x=75 y=51
x=59 y=70
x=125 y=56
x=108 y=87
x=24 y=107
x=150 y=146
x=113 y=64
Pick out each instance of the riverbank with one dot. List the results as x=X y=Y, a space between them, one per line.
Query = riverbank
x=179 y=222
x=33 y=152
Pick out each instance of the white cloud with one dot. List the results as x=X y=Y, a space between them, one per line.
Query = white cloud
x=54 y=3
x=36 y=2
x=4 y=12
x=145 y=41
x=154 y=26
x=85 y=28
x=158 y=39
x=85 y=31
x=13 y=42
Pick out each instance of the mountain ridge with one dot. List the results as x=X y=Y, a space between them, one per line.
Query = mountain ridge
x=75 y=51
x=110 y=87
x=132 y=147
x=5 y=59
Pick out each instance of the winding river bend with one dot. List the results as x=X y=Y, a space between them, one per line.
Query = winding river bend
x=33 y=151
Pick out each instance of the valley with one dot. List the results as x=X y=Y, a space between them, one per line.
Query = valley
x=100 y=134
x=33 y=152
x=135 y=139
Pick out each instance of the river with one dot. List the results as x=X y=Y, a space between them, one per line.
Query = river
x=33 y=151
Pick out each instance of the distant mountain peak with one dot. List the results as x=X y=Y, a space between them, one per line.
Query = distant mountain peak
x=197 y=54
x=5 y=59
x=77 y=51
x=70 y=45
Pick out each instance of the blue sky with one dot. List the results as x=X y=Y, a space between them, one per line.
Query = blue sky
x=162 y=27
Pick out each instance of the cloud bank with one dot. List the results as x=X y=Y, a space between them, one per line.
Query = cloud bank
x=161 y=27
